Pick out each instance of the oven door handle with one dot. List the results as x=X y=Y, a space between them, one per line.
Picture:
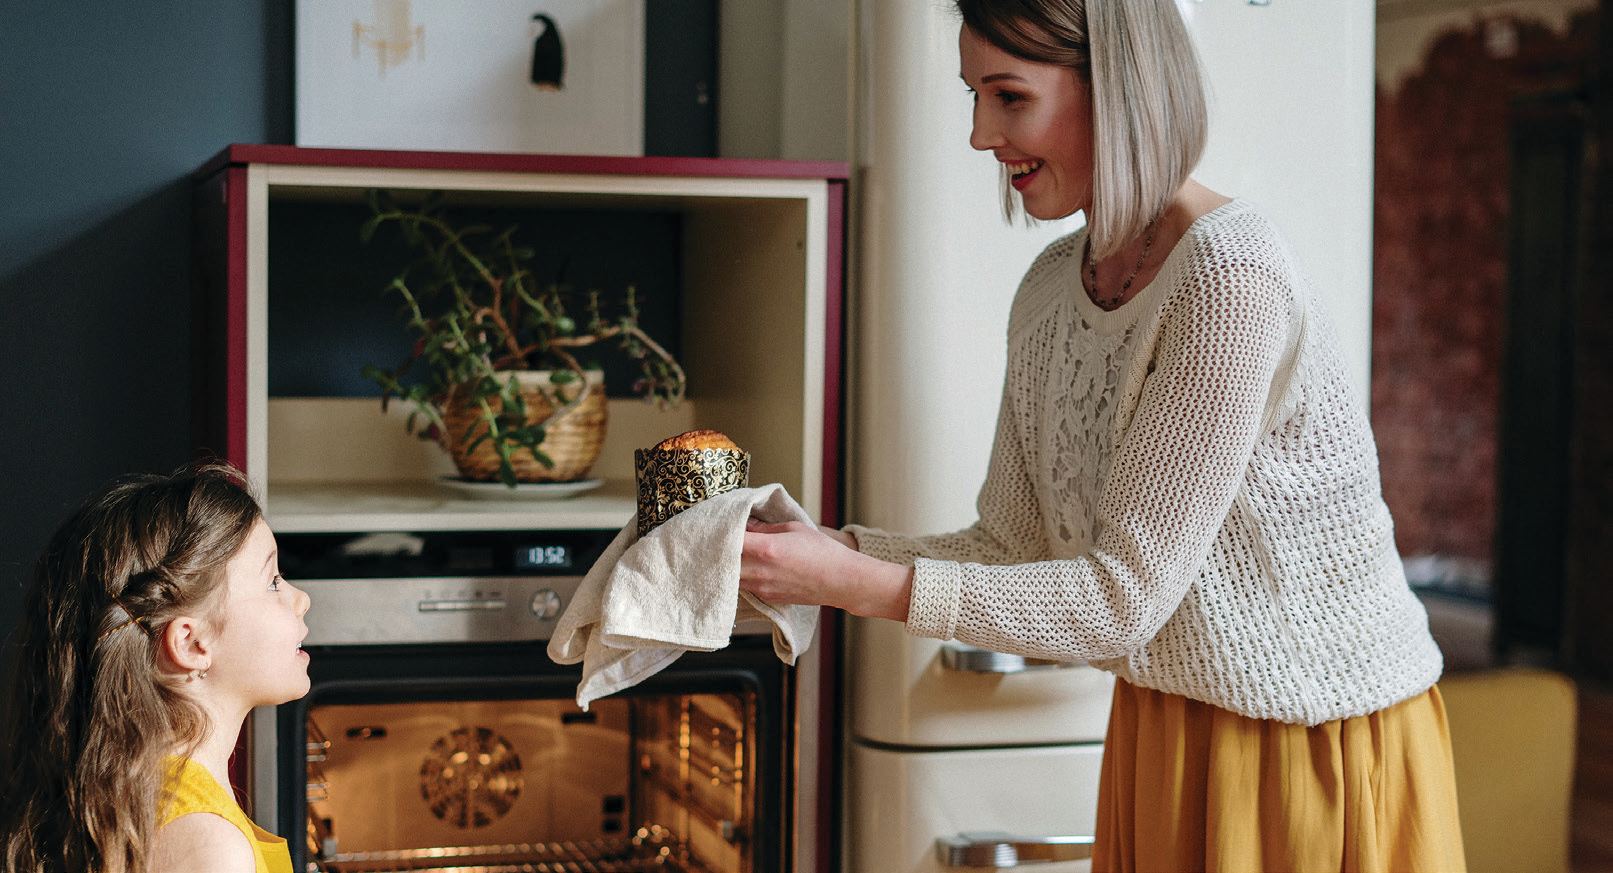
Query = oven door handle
x=967 y=659
x=989 y=849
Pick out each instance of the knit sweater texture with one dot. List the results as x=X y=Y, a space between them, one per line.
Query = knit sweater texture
x=1185 y=492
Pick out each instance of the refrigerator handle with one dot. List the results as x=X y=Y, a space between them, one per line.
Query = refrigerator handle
x=968 y=659
x=988 y=849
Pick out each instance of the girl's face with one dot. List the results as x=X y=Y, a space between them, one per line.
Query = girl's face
x=257 y=653
x=1034 y=118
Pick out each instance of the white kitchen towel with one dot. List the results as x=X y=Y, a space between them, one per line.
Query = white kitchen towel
x=647 y=601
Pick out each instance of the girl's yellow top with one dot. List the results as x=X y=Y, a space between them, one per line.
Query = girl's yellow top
x=190 y=788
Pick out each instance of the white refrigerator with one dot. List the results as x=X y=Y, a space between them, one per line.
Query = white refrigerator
x=958 y=759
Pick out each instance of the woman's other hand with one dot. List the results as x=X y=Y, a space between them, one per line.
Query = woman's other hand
x=793 y=562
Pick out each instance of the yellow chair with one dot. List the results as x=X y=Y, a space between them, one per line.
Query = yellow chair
x=1512 y=738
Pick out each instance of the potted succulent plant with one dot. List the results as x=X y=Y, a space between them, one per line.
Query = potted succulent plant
x=503 y=391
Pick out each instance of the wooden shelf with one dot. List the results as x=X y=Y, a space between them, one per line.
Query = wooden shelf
x=415 y=506
x=759 y=260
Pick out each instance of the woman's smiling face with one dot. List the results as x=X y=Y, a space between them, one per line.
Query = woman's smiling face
x=1034 y=118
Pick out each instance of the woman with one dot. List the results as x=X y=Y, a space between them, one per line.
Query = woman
x=1183 y=488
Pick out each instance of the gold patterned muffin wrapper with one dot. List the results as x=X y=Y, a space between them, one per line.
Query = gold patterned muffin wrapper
x=670 y=481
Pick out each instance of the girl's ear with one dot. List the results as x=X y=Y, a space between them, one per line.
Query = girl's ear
x=184 y=645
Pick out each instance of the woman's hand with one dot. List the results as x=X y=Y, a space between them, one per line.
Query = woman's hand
x=801 y=563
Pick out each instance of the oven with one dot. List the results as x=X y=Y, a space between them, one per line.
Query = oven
x=438 y=735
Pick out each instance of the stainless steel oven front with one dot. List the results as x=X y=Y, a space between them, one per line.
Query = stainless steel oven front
x=438 y=735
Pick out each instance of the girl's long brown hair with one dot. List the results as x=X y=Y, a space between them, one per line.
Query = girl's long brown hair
x=90 y=718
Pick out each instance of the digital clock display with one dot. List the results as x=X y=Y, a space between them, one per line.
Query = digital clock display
x=546 y=557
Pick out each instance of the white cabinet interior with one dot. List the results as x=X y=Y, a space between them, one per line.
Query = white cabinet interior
x=758 y=253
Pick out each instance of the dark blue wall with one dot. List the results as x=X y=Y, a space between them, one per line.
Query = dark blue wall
x=105 y=108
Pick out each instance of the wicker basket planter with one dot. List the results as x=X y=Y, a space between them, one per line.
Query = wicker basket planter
x=480 y=315
x=572 y=441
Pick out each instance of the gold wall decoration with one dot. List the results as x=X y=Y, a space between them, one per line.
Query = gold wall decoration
x=391 y=35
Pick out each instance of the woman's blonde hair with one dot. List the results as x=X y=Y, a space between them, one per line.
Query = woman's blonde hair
x=90 y=716
x=1149 y=117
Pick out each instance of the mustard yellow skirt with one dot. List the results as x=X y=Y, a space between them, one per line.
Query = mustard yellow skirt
x=1188 y=786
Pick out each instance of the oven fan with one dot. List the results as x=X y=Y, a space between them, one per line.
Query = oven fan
x=471 y=777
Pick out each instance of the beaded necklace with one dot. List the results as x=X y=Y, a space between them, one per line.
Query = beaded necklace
x=1092 y=271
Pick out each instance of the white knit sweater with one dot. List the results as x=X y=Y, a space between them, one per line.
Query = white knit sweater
x=1185 y=492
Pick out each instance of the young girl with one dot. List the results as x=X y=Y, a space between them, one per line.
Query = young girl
x=1183 y=490
x=157 y=619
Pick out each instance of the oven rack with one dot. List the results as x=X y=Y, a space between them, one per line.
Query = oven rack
x=713 y=801
x=699 y=767
x=653 y=849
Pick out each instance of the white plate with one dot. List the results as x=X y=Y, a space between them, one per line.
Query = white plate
x=522 y=491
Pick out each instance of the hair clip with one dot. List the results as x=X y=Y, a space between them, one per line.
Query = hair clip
x=132 y=620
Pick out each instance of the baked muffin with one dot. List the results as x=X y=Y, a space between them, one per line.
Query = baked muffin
x=683 y=470
x=696 y=439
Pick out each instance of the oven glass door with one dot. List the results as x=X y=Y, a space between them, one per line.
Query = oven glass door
x=477 y=757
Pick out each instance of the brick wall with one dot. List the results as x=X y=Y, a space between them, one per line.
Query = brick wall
x=1440 y=271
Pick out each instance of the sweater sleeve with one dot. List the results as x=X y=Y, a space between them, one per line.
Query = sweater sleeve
x=1175 y=474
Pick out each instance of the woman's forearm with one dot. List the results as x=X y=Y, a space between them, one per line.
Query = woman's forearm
x=798 y=563
x=878 y=589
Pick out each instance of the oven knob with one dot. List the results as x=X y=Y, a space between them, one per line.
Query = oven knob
x=546 y=604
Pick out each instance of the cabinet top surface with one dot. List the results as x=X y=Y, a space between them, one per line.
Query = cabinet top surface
x=243 y=154
x=423 y=506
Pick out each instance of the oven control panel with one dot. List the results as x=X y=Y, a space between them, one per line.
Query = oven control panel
x=435 y=610
x=437 y=586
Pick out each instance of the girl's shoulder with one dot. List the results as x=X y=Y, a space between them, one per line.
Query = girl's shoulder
x=188 y=787
x=200 y=816
x=202 y=842
x=201 y=826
